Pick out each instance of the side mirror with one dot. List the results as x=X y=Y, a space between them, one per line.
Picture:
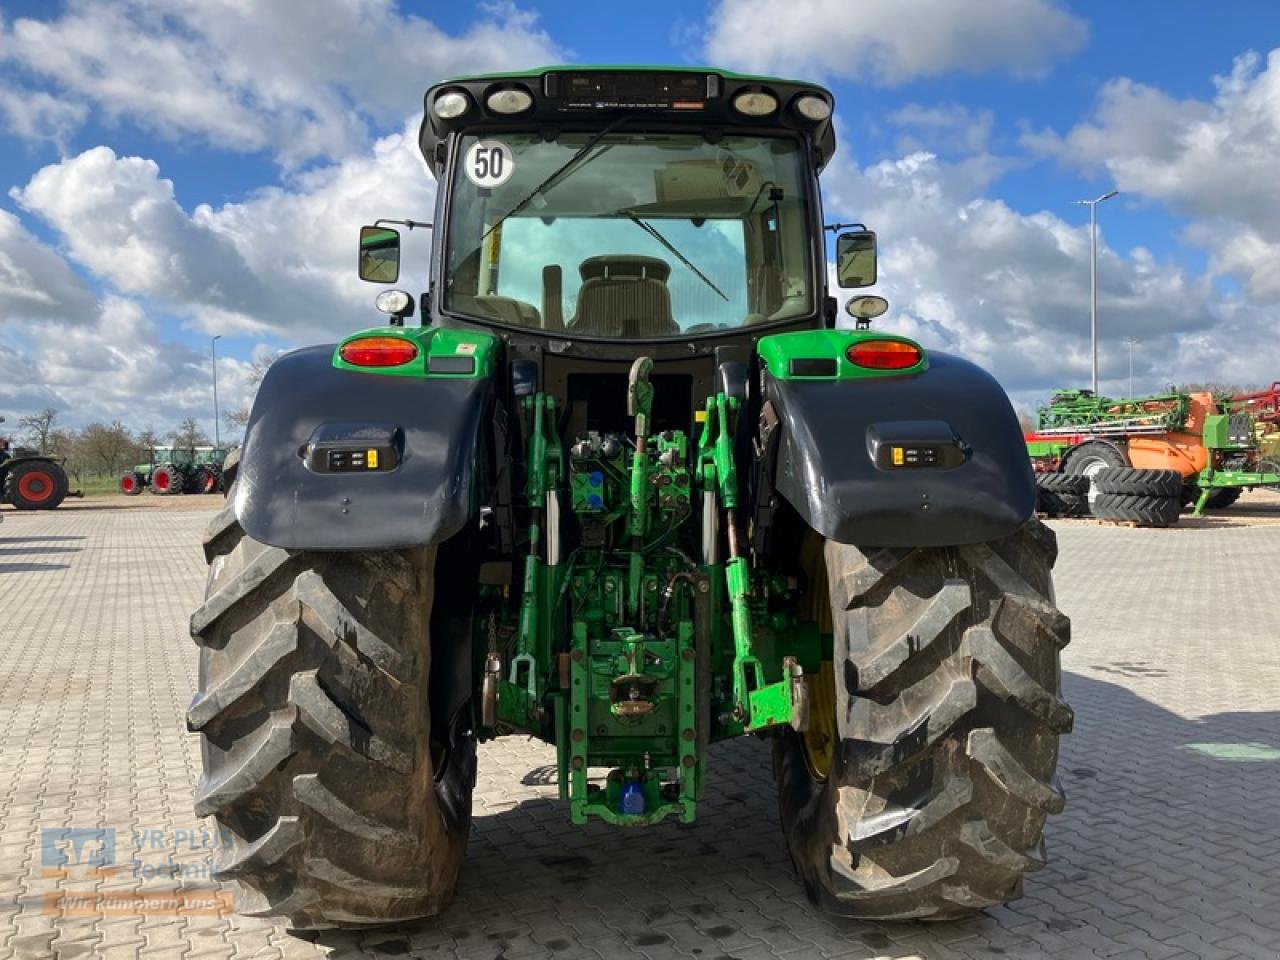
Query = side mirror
x=379 y=254
x=856 y=259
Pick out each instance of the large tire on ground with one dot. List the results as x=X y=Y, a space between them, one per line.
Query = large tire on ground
x=131 y=484
x=947 y=712
x=168 y=480
x=1146 y=483
x=1223 y=497
x=1089 y=458
x=1062 y=494
x=319 y=758
x=1133 y=508
x=36 y=485
x=205 y=480
x=230 y=467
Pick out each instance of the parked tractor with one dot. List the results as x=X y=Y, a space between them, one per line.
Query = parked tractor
x=174 y=470
x=1193 y=448
x=630 y=489
x=30 y=480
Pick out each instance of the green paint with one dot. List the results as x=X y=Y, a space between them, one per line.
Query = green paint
x=1238 y=752
x=779 y=349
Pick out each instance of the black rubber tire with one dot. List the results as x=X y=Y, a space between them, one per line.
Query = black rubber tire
x=316 y=733
x=230 y=467
x=1146 y=483
x=1090 y=456
x=132 y=489
x=176 y=484
x=949 y=709
x=1055 y=504
x=205 y=479
x=1222 y=497
x=54 y=476
x=1144 y=511
x=1068 y=483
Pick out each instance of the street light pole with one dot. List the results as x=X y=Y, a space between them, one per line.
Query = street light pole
x=1132 y=343
x=213 y=356
x=1093 y=281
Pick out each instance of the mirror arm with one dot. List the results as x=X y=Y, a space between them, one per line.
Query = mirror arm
x=834 y=227
x=409 y=224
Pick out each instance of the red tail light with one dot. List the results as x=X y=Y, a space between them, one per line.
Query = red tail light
x=378 y=351
x=884 y=354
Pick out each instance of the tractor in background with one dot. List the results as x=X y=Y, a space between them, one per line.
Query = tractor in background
x=175 y=470
x=31 y=480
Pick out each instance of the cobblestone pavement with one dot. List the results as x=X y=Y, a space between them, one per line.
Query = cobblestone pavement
x=1170 y=845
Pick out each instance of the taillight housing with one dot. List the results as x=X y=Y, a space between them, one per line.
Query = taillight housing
x=884 y=354
x=378 y=351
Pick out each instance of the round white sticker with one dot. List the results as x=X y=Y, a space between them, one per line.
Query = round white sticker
x=489 y=163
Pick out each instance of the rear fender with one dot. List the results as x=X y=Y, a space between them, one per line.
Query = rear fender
x=835 y=456
x=430 y=471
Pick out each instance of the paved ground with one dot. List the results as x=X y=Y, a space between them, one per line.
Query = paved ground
x=1170 y=845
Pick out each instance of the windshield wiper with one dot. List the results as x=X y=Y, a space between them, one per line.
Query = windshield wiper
x=560 y=172
x=652 y=231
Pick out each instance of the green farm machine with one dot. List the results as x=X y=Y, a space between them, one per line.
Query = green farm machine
x=30 y=480
x=629 y=488
x=1148 y=456
x=175 y=470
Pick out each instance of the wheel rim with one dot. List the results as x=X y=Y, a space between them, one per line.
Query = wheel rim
x=36 y=486
x=161 y=481
x=819 y=738
x=127 y=484
x=207 y=485
x=1091 y=469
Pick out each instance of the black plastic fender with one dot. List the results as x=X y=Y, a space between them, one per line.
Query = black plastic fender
x=428 y=495
x=835 y=456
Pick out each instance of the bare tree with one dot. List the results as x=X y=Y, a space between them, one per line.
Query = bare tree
x=258 y=366
x=106 y=447
x=39 y=427
x=1026 y=421
x=190 y=435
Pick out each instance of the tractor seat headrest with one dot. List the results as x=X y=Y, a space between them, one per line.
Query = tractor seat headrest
x=619 y=266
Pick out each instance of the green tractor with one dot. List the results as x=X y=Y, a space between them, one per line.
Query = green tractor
x=175 y=470
x=626 y=488
x=30 y=480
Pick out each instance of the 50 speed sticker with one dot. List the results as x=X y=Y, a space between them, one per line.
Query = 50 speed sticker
x=489 y=163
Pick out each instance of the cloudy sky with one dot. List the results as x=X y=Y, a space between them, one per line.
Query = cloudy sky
x=176 y=169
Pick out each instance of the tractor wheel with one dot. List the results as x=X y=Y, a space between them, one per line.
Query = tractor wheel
x=1223 y=497
x=230 y=467
x=1147 y=483
x=131 y=484
x=205 y=480
x=167 y=480
x=922 y=784
x=320 y=764
x=1089 y=458
x=1062 y=495
x=36 y=485
x=1134 y=508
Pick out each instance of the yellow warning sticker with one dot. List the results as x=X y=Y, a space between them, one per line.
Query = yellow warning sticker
x=371 y=458
x=898 y=456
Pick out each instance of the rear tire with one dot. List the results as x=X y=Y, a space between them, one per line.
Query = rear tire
x=948 y=713
x=1132 y=508
x=316 y=733
x=131 y=484
x=1223 y=497
x=167 y=480
x=36 y=485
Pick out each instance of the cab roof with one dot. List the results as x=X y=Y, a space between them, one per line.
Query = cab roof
x=590 y=96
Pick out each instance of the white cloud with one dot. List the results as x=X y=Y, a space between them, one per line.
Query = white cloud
x=35 y=282
x=281 y=262
x=891 y=41
x=1215 y=162
x=298 y=78
x=968 y=274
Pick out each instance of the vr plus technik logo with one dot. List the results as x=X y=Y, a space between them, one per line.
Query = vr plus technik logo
x=80 y=852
